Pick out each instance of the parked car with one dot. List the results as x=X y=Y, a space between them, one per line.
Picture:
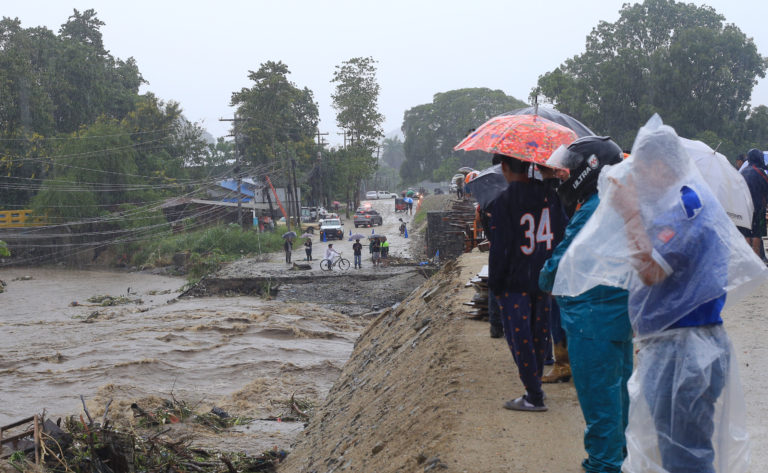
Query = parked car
x=371 y=195
x=386 y=195
x=331 y=229
x=367 y=218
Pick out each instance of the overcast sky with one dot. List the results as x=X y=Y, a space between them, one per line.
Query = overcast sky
x=198 y=52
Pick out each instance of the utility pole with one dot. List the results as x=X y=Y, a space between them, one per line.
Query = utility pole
x=296 y=196
x=344 y=134
x=320 y=143
x=237 y=171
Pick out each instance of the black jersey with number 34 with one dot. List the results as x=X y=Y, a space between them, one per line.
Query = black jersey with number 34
x=527 y=223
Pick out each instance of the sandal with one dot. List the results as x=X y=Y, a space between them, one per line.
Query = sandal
x=521 y=404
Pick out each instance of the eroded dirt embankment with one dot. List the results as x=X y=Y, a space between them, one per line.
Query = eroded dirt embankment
x=423 y=390
x=390 y=408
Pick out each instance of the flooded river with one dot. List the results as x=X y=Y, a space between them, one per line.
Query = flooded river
x=242 y=354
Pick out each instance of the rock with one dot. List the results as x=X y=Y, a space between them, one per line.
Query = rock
x=181 y=258
x=419 y=324
x=377 y=448
x=434 y=463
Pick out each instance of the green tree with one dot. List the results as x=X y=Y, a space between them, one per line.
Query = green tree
x=432 y=130
x=50 y=85
x=756 y=129
x=677 y=59
x=356 y=99
x=276 y=117
x=88 y=82
x=93 y=172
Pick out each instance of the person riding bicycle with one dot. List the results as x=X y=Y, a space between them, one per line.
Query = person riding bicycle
x=330 y=253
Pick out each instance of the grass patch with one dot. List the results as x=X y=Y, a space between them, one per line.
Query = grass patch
x=428 y=204
x=207 y=249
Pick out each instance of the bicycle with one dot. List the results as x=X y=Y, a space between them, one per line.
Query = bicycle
x=328 y=265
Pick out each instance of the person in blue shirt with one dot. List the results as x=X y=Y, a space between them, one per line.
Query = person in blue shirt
x=684 y=354
x=527 y=222
x=596 y=322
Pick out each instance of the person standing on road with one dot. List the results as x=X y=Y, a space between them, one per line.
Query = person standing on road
x=494 y=313
x=527 y=222
x=753 y=173
x=596 y=322
x=376 y=252
x=308 y=248
x=384 y=250
x=661 y=233
x=357 y=251
x=288 y=247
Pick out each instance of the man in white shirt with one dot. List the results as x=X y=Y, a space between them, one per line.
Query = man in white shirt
x=330 y=253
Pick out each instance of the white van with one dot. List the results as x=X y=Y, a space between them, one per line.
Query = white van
x=370 y=195
x=385 y=195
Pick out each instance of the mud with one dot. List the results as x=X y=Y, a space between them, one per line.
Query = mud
x=352 y=292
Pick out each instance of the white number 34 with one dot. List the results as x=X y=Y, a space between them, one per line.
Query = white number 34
x=537 y=233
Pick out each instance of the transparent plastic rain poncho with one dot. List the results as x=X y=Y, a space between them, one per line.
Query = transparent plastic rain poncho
x=685 y=391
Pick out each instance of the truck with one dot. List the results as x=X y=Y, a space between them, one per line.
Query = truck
x=331 y=229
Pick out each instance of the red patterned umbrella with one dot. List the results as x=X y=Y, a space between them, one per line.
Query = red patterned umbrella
x=526 y=137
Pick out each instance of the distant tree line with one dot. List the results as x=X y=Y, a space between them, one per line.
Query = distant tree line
x=77 y=140
x=276 y=124
x=676 y=59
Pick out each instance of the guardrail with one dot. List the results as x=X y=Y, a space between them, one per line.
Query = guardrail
x=20 y=218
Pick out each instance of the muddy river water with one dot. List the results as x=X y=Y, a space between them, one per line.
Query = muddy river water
x=242 y=354
x=238 y=353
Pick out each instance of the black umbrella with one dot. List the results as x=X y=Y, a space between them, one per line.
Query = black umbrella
x=556 y=116
x=488 y=185
x=290 y=235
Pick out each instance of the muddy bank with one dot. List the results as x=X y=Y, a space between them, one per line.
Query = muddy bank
x=352 y=292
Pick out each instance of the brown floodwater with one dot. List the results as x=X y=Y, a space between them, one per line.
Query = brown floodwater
x=243 y=354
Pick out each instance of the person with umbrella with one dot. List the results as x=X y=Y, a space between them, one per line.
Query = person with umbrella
x=288 y=247
x=409 y=202
x=357 y=252
x=375 y=250
x=527 y=222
